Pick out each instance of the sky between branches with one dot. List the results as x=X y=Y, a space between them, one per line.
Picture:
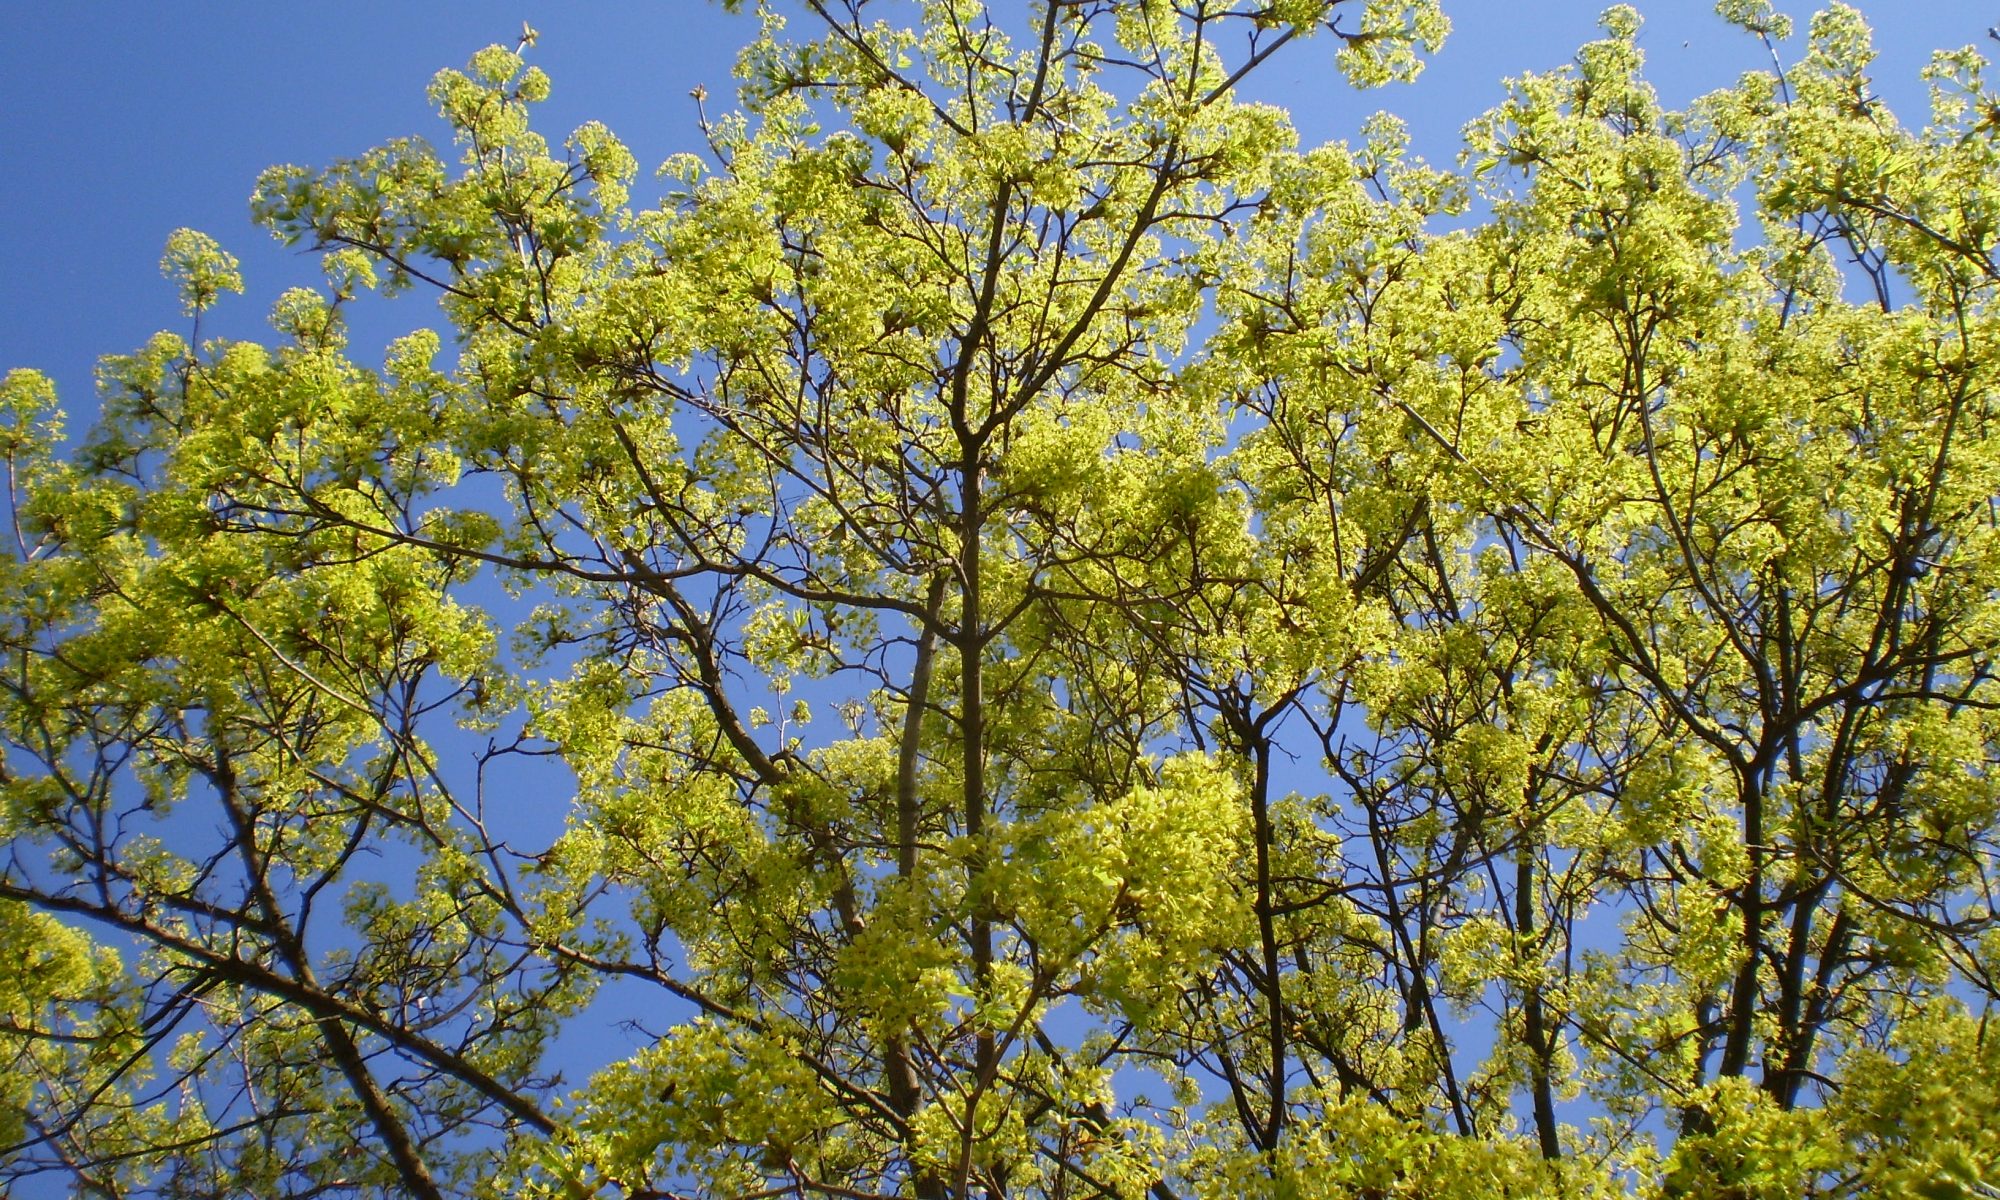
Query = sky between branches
x=120 y=122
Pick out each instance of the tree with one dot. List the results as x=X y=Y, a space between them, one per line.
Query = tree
x=1084 y=650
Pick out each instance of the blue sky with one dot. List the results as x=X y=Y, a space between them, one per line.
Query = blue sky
x=122 y=121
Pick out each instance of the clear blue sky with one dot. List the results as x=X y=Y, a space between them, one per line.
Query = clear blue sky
x=121 y=121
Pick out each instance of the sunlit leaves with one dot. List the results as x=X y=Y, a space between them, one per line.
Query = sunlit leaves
x=1066 y=645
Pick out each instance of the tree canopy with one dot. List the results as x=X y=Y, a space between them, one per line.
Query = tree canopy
x=1057 y=643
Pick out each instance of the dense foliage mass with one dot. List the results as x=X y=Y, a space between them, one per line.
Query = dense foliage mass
x=1071 y=647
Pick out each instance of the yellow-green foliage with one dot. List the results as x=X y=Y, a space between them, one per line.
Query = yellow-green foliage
x=1036 y=637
